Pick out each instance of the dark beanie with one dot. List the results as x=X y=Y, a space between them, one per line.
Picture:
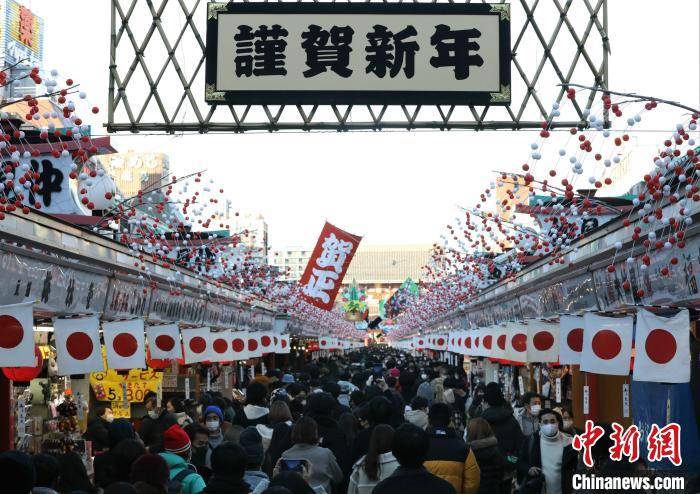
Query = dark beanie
x=151 y=469
x=493 y=395
x=251 y=442
x=17 y=471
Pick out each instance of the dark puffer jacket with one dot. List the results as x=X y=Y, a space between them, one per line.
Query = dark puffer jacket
x=506 y=429
x=491 y=462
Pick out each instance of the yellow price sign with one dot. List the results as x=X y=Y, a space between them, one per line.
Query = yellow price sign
x=111 y=386
x=121 y=410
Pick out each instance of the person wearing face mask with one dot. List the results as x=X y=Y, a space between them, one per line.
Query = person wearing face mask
x=547 y=461
x=456 y=397
x=529 y=417
x=213 y=417
x=568 y=427
x=97 y=429
x=199 y=438
x=177 y=454
x=154 y=423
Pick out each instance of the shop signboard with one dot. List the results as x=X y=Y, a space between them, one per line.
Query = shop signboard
x=126 y=299
x=55 y=288
x=181 y=306
x=358 y=53
x=23 y=35
x=112 y=386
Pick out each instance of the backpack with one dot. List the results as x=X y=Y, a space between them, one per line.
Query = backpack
x=175 y=484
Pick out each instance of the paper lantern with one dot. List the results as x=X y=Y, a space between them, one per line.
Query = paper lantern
x=25 y=374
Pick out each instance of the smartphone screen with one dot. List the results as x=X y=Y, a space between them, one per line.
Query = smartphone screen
x=292 y=465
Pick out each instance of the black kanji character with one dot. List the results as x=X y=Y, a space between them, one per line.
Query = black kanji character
x=319 y=55
x=268 y=47
x=456 y=53
x=382 y=54
x=50 y=180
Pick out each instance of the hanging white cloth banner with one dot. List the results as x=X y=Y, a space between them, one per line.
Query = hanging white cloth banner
x=197 y=344
x=570 y=339
x=326 y=342
x=267 y=342
x=221 y=346
x=487 y=341
x=124 y=344
x=662 y=348
x=239 y=344
x=17 y=335
x=516 y=342
x=78 y=345
x=499 y=342
x=477 y=347
x=542 y=341
x=284 y=344
x=607 y=344
x=440 y=342
x=164 y=341
x=254 y=346
x=419 y=342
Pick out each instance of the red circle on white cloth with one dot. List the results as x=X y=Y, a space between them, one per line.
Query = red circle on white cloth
x=165 y=342
x=660 y=346
x=519 y=342
x=575 y=339
x=284 y=343
x=501 y=342
x=265 y=340
x=220 y=345
x=198 y=344
x=488 y=340
x=252 y=344
x=238 y=345
x=11 y=332
x=79 y=345
x=543 y=340
x=125 y=345
x=606 y=344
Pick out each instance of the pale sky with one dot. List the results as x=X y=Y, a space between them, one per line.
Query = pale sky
x=390 y=187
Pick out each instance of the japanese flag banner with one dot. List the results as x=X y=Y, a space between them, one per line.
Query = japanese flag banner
x=239 y=344
x=283 y=344
x=78 y=345
x=326 y=342
x=516 y=342
x=221 y=346
x=487 y=341
x=17 y=335
x=570 y=339
x=164 y=341
x=607 y=344
x=327 y=266
x=124 y=344
x=419 y=342
x=197 y=344
x=662 y=348
x=254 y=346
x=468 y=342
x=476 y=343
x=499 y=343
x=440 y=342
x=267 y=342
x=542 y=341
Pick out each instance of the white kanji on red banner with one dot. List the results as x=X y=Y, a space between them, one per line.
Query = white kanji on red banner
x=607 y=344
x=17 y=336
x=164 y=341
x=570 y=339
x=78 y=345
x=197 y=344
x=542 y=341
x=124 y=344
x=662 y=348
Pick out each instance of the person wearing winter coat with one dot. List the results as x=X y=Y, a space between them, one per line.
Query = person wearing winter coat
x=251 y=442
x=320 y=407
x=255 y=412
x=492 y=464
x=325 y=471
x=547 y=460
x=410 y=448
x=228 y=463
x=177 y=452
x=449 y=457
x=500 y=417
x=376 y=465
x=418 y=414
x=97 y=429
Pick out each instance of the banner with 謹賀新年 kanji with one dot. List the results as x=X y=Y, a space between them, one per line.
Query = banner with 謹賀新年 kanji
x=327 y=266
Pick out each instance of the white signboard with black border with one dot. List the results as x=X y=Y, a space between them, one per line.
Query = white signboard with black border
x=358 y=53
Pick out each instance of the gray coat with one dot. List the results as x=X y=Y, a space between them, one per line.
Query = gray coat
x=324 y=467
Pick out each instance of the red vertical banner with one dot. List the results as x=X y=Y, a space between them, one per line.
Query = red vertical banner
x=327 y=266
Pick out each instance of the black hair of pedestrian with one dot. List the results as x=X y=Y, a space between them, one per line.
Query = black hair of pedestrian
x=357 y=398
x=439 y=415
x=557 y=415
x=379 y=442
x=17 y=472
x=321 y=404
x=333 y=388
x=120 y=430
x=277 y=489
x=391 y=381
x=123 y=456
x=177 y=404
x=47 y=469
x=348 y=424
x=410 y=445
x=229 y=460
x=419 y=403
x=256 y=394
x=493 y=395
x=120 y=488
x=305 y=431
x=380 y=410
x=407 y=380
x=193 y=429
x=292 y=481
x=220 y=402
x=74 y=476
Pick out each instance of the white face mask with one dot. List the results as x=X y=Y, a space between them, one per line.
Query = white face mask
x=153 y=414
x=213 y=425
x=450 y=396
x=568 y=424
x=424 y=376
x=535 y=409
x=109 y=417
x=549 y=430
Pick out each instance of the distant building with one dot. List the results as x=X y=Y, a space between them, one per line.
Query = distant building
x=21 y=47
x=291 y=262
x=252 y=229
x=133 y=171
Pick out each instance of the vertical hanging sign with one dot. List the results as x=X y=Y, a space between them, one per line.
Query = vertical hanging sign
x=327 y=266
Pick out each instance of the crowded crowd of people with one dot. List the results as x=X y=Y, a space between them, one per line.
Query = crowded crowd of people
x=373 y=421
